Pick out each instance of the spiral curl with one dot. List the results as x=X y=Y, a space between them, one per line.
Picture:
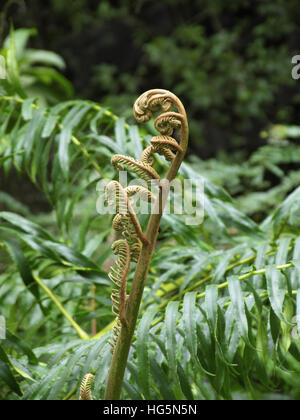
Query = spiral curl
x=126 y=221
x=128 y=249
x=85 y=387
x=142 y=169
x=118 y=275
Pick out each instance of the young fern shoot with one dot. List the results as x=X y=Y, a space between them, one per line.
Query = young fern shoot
x=137 y=246
x=85 y=387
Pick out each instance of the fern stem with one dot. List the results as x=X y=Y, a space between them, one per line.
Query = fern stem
x=82 y=334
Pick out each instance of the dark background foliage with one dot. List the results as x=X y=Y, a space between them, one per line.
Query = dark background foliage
x=230 y=62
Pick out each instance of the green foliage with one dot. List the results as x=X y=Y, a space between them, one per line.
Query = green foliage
x=33 y=72
x=221 y=307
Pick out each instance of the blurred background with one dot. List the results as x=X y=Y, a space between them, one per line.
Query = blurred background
x=230 y=62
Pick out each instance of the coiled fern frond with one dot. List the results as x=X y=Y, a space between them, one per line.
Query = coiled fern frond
x=128 y=249
x=126 y=221
x=135 y=246
x=118 y=275
x=142 y=169
x=85 y=387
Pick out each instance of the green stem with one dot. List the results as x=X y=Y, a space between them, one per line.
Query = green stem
x=82 y=334
x=70 y=394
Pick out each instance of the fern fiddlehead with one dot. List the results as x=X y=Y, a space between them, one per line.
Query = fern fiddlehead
x=171 y=125
x=126 y=221
x=85 y=387
x=118 y=275
x=135 y=245
x=127 y=249
x=142 y=169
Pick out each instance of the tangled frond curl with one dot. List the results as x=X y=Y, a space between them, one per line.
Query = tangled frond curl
x=125 y=222
x=85 y=387
x=118 y=275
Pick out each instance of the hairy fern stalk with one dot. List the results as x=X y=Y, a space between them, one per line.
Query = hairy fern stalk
x=137 y=247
